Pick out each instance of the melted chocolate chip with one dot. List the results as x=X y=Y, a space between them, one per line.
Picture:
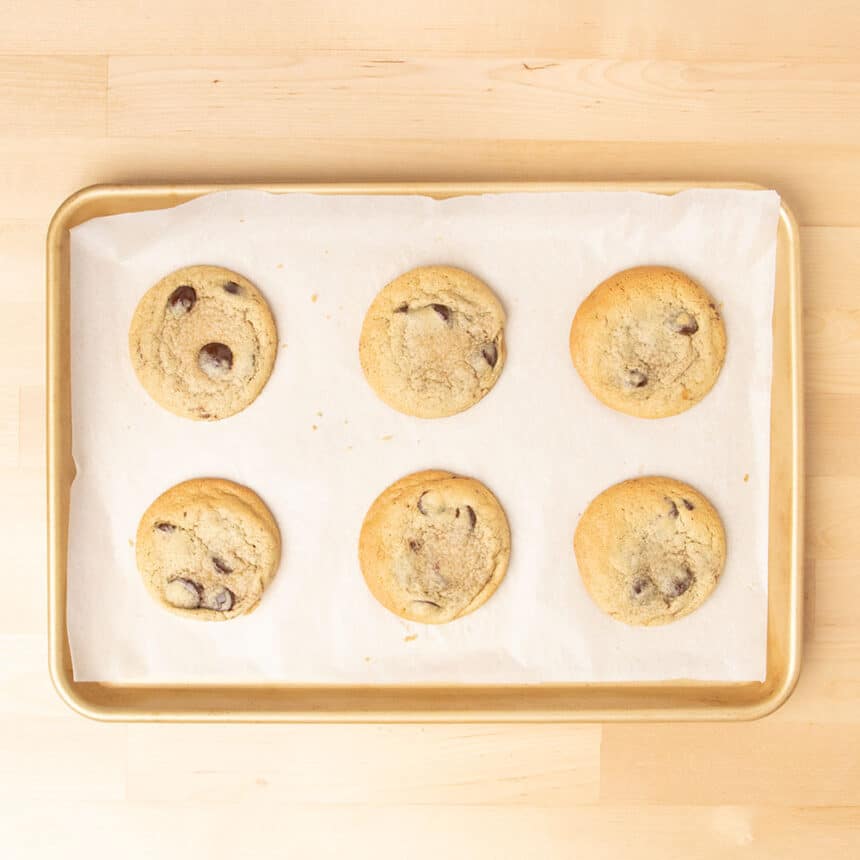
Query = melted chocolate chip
x=443 y=310
x=679 y=584
x=220 y=565
x=683 y=323
x=640 y=587
x=215 y=359
x=182 y=299
x=688 y=504
x=402 y=309
x=473 y=519
x=221 y=601
x=636 y=379
x=673 y=509
x=421 y=507
x=415 y=545
x=233 y=288
x=165 y=527
x=183 y=593
x=490 y=353
x=427 y=603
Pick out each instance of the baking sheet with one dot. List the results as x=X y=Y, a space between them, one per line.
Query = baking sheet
x=539 y=440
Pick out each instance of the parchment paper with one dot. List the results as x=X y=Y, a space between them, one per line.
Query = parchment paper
x=318 y=445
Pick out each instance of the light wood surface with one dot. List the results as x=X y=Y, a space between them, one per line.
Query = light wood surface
x=103 y=91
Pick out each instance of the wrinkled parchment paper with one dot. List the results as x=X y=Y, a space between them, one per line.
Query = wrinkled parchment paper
x=318 y=445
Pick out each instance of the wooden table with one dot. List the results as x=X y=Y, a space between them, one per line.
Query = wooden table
x=765 y=91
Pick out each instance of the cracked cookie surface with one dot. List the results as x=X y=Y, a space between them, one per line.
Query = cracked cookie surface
x=203 y=342
x=207 y=549
x=434 y=546
x=650 y=550
x=648 y=342
x=432 y=342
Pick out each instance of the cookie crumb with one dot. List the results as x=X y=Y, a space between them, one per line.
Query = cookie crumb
x=367 y=659
x=319 y=414
x=130 y=542
x=746 y=477
x=314 y=297
x=387 y=438
x=411 y=637
x=314 y=427
x=279 y=266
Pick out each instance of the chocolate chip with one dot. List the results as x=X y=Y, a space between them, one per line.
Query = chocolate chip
x=182 y=299
x=182 y=593
x=427 y=603
x=443 y=310
x=673 y=508
x=220 y=565
x=233 y=288
x=684 y=323
x=679 y=584
x=165 y=527
x=430 y=503
x=402 y=309
x=415 y=545
x=490 y=353
x=472 y=518
x=688 y=504
x=215 y=360
x=470 y=512
x=636 y=379
x=221 y=601
x=640 y=587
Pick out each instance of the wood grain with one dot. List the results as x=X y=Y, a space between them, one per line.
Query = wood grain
x=461 y=98
x=322 y=89
x=53 y=95
x=730 y=30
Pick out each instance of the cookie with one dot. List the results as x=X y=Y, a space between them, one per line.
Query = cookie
x=650 y=550
x=207 y=549
x=203 y=342
x=432 y=343
x=648 y=342
x=434 y=546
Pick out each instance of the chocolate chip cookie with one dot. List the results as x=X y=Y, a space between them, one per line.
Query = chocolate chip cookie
x=650 y=550
x=203 y=342
x=432 y=343
x=207 y=549
x=649 y=342
x=434 y=546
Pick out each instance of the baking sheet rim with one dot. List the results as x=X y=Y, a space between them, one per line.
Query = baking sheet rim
x=427 y=702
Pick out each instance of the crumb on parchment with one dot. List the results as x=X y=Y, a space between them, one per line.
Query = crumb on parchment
x=746 y=477
x=411 y=637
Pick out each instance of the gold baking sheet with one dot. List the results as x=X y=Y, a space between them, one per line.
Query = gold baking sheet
x=669 y=700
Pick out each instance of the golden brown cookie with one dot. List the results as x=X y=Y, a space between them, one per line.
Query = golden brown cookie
x=650 y=550
x=649 y=342
x=434 y=546
x=203 y=342
x=432 y=343
x=207 y=549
